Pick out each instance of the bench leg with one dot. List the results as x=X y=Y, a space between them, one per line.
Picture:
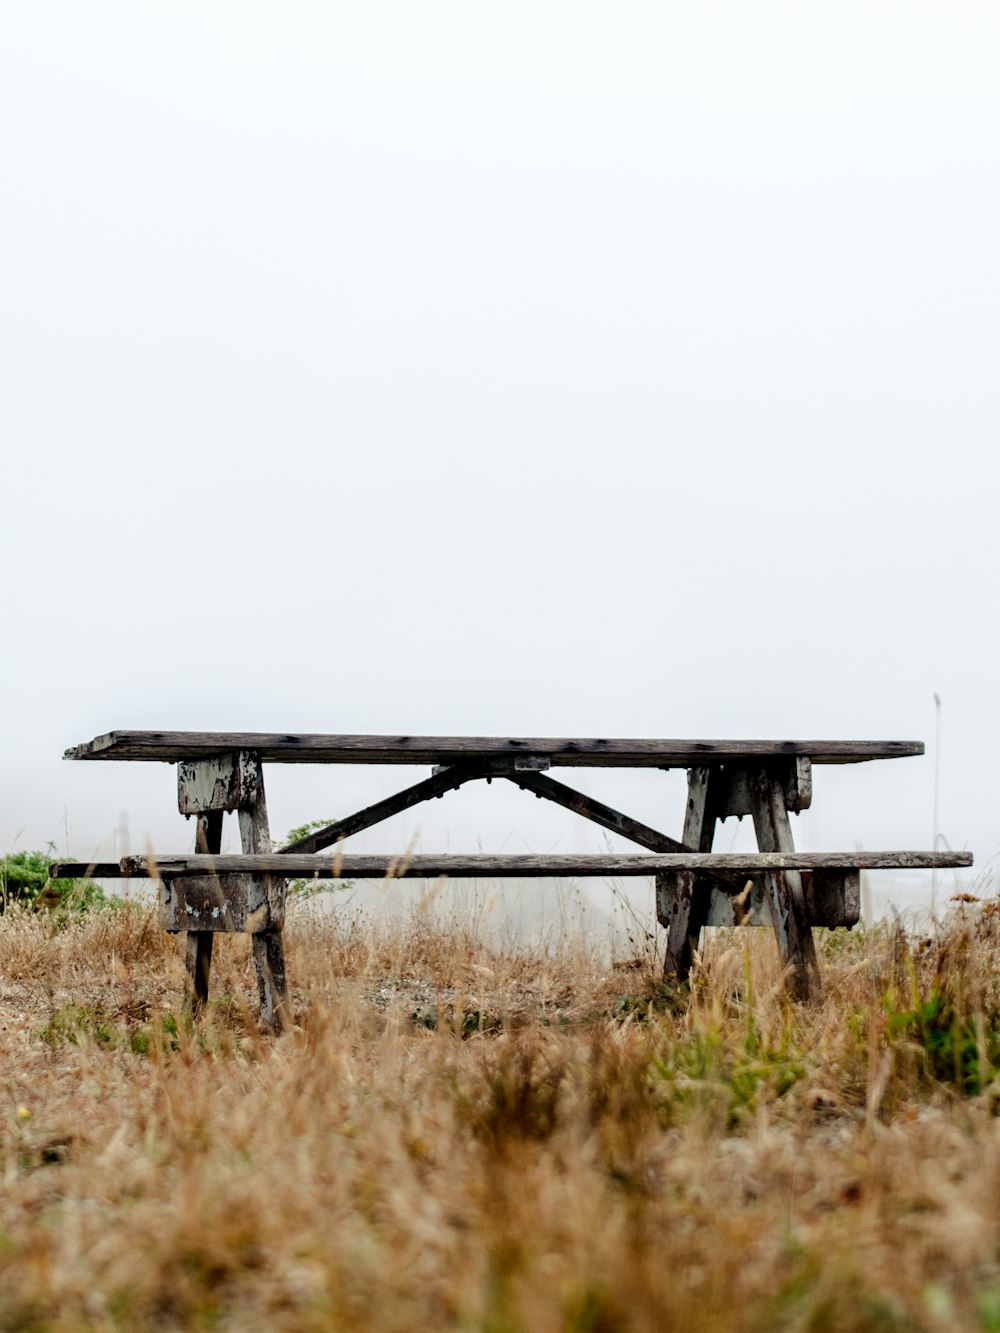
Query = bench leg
x=208 y=838
x=682 y=901
x=785 y=894
x=199 y=965
x=269 y=960
x=268 y=949
x=678 y=912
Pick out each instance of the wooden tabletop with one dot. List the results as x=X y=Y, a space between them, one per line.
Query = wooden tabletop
x=312 y=748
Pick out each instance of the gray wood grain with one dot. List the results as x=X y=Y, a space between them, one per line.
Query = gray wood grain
x=85 y=870
x=480 y=865
x=607 y=817
x=682 y=897
x=833 y=898
x=236 y=904
x=198 y=952
x=448 y=779
x=267 y=946
x=222 y=782
x=783 y=889
x=308 y=747
x=596 y=811
x=255 y=839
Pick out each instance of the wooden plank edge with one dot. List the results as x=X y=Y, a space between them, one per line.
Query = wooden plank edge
x=488 y=866
x=85 y=870
x=310 y=747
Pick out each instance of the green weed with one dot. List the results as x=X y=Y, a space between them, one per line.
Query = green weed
x=24 y=878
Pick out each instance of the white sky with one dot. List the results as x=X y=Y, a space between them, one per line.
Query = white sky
x=539 y=369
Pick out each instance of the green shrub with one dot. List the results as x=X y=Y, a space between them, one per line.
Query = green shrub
x=305 y=888
x=958 y=1050
x=24 y=878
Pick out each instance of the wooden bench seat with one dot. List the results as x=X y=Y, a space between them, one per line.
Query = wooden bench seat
x=483 y=865
x=230 y=892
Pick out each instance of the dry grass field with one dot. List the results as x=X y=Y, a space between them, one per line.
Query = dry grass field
x=456 y=1135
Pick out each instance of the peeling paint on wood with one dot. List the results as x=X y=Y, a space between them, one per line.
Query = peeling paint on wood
x=235 y=903
x=222 y=782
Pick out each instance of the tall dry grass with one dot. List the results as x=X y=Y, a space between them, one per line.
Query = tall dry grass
x=461 y=1135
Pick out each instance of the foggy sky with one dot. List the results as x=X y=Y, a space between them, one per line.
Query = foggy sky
x=540 y=369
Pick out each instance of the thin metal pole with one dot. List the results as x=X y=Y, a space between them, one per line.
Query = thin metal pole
x=937 y=798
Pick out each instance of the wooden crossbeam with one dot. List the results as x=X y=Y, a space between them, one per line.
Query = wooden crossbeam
x=446 y=780
x=312 y=748
x=596 y=811
x=488 y=865
x=610 y=818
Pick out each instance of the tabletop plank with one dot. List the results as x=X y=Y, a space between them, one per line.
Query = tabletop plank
x=480 y=865
x=314 y=748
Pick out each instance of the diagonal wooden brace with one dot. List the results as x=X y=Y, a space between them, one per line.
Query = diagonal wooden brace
x=683 y=897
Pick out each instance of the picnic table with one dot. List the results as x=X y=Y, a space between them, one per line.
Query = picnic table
x=205 y=892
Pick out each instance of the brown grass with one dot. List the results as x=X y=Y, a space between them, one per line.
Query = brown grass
x=461 y=1136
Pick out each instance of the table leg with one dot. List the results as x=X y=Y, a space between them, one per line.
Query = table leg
x=681 y=901
x=208 y=838
x=269 y=960
x=784 y=890
x=199 y=965
x=268 y=948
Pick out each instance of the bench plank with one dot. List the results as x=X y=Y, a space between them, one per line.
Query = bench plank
x=313 y=748
x=487 y=865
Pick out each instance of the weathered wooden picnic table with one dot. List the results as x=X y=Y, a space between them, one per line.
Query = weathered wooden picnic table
x=219 y=772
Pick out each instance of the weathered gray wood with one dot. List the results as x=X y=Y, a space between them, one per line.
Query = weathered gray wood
x=528 y=866
x=833 y=898
x=743 y=909
x=268 y=948
x=255 y=839
x=234 y=903
x=198 y=966
x=799 y=784
x=85 y=870
x=269 y=964
x=718 y=884
x=682 y=898
x=789 y=910
x=733 y=790
x=505 y=766
x=447 y=779
x=309 y=747
x=198 y=953
x=552 y=790
x=220 y=782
